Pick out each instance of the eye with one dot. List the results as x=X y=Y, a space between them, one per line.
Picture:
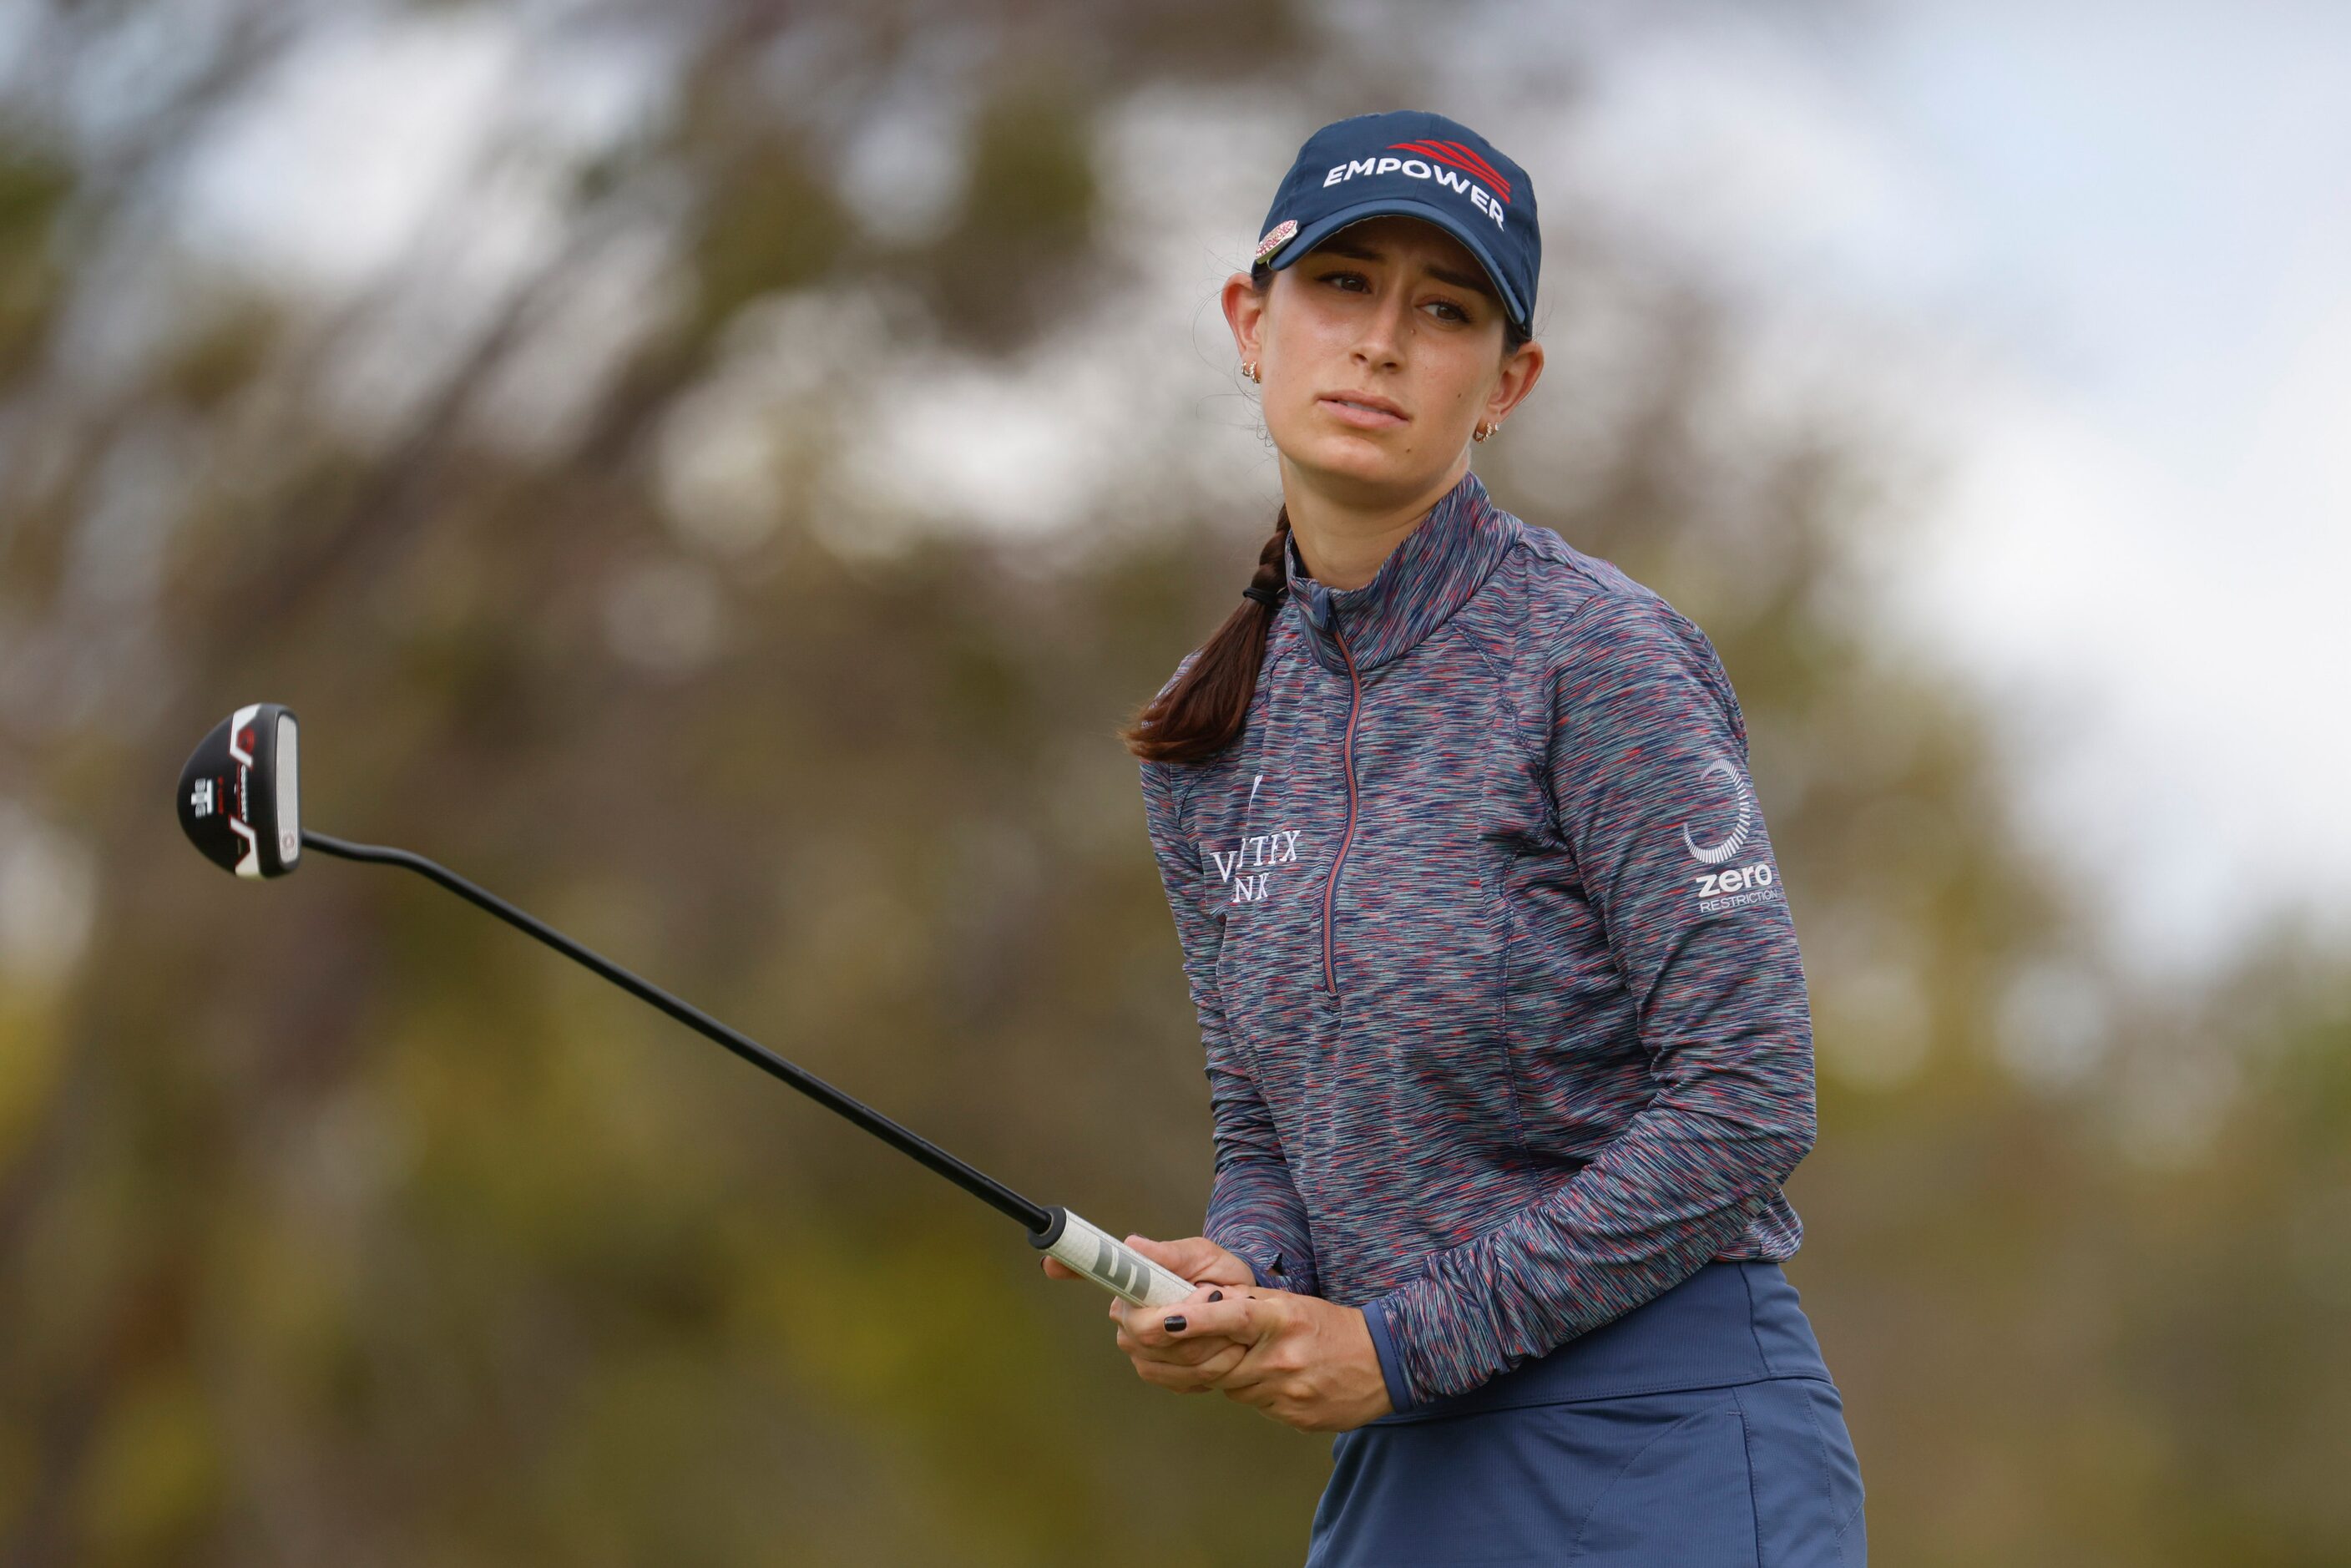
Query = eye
x=1459 y=313
x=1344 y=277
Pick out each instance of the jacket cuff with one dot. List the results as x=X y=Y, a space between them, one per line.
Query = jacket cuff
x=1264 y=1262
x=1267 y=1267
x=1375 y=1318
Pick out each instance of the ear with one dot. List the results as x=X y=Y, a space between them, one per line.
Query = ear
x=1517 y=380
x=1245 y=313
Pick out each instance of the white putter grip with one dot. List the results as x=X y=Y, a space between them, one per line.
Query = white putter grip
x=1090 y=1250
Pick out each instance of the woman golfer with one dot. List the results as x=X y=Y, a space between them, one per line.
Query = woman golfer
x=1506 y=1035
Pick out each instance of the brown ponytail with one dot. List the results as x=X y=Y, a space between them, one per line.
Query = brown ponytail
x=1205 y=709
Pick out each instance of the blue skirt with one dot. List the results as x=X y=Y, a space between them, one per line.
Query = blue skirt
x=1701 y=1429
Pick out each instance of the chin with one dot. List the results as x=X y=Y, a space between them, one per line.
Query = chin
x=1364 y=459
x=1362 y=465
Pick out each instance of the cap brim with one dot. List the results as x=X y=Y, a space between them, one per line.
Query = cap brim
x=1452 y=222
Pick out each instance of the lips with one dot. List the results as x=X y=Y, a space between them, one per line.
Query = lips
x=1363 y=409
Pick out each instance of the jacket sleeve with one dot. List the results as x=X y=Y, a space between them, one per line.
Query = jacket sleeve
x=1647 y=774
x=1254 y=1210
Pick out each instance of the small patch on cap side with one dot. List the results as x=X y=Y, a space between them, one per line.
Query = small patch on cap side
x=1276 y=237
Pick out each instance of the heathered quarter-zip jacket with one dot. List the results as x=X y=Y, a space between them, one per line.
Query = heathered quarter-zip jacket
x=1506 y=1028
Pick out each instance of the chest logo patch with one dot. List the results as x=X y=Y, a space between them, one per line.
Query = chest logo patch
x=1248 y=868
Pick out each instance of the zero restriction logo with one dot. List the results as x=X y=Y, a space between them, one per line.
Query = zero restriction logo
x=1740 y=885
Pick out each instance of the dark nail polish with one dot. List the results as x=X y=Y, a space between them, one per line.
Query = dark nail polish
x=1174 y=1324
x=1216 y=1295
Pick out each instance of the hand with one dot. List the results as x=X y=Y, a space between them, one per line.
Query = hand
x=1195 y=1258
x=1309 y=1363
x=1189 y=1366
x=1303 y=1361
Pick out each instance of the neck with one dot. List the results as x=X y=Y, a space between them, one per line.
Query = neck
x=1344 y=533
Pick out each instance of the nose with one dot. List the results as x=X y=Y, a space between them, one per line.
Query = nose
x=1385 y=328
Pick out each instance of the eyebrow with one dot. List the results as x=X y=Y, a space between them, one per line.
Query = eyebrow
x=1358 y=251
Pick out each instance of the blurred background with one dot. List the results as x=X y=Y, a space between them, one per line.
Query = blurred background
x=717 y=472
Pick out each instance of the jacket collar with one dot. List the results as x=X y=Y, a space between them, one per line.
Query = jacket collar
x=1430 y=574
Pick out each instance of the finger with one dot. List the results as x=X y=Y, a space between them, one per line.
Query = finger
x=1158 y=1327
x=1186 y=1351
x=1169 y=1375
x=1057 y=1269
x=1240 y=1315
x=1256 y=1395
x=1250 y=1383
x=1175 y=1379
x=1216 y=1369
x=1138 y=1336
x=1186 y=1379
x=1268 y=1366
x=1196 y=1258
x=1282 y=1397
x=1163 y=1328
x=1245 y=1372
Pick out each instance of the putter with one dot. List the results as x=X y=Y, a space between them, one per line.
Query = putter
x=240 y=803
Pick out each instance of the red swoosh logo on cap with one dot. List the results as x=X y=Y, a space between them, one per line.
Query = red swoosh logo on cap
x=1469 y=155
x=1476 y=160
x=1453 y=155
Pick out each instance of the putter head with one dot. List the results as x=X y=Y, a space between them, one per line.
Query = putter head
x=239 y=800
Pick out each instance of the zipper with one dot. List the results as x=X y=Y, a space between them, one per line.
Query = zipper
x=1330 y=887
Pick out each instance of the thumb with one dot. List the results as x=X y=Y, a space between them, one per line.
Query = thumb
x=1196 y=1258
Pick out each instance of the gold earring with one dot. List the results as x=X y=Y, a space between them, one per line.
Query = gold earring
x=1480 y=433
x=1248 y=369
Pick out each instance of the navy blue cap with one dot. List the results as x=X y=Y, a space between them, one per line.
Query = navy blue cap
x=1416 y=165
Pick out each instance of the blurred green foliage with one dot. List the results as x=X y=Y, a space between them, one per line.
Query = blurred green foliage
x=338 y=1224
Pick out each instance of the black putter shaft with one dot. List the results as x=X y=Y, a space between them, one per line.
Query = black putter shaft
x=981 y=1185
x=239 y=802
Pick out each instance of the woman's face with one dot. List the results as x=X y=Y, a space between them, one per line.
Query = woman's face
x=1381 y=351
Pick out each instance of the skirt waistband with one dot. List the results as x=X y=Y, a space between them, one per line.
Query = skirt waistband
x=1731 y=1322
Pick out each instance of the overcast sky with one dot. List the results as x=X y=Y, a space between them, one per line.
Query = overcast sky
x=2107 y=248
x=2123 y=232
